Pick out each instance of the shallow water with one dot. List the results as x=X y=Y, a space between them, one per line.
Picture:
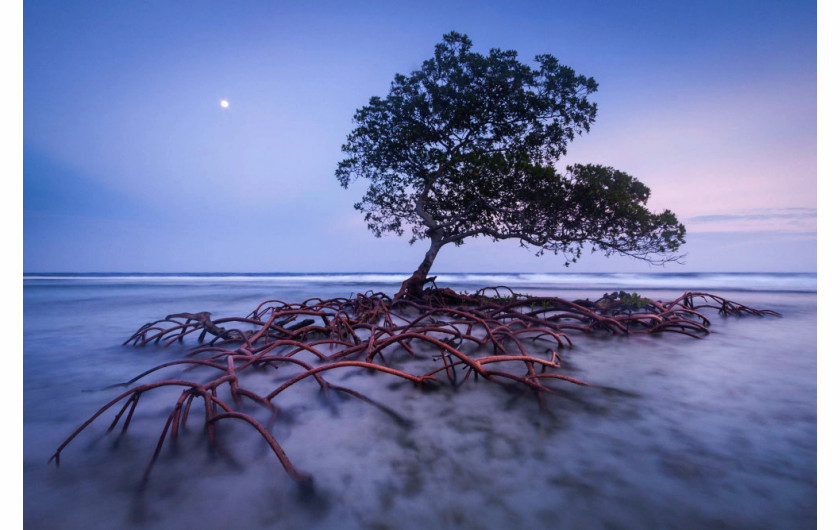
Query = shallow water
x=718 y=432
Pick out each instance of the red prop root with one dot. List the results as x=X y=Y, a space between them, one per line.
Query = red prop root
x=484 y=335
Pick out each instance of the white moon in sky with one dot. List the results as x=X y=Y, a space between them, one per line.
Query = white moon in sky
x=224 y=103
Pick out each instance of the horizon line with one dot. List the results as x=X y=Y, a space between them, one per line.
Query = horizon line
x=404 y=272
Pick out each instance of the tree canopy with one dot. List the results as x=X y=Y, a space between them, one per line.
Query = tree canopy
x=466 y=146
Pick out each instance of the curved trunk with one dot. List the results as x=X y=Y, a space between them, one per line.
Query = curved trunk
x=413 y=286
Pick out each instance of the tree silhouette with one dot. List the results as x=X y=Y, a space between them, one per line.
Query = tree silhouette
x=466 y=147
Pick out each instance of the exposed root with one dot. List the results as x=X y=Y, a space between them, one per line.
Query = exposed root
x=494 y=334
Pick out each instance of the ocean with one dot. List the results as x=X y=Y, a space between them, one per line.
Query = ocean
x=718 y=432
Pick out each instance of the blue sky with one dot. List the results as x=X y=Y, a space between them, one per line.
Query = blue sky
x=130 y=164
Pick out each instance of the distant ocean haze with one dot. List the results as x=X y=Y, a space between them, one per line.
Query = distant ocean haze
x=803 y=282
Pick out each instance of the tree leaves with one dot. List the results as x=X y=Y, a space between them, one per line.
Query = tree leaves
x=465 y=146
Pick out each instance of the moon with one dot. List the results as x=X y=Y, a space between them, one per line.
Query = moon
x=224 y=103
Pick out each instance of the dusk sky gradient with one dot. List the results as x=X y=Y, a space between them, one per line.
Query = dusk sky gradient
x=131 y=165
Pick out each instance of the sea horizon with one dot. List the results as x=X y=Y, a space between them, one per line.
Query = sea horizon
x=729 y=281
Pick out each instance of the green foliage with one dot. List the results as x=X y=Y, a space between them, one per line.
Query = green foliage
x=466 y=145
x=625 y=299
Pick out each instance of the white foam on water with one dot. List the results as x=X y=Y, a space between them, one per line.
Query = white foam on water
x=803 y=282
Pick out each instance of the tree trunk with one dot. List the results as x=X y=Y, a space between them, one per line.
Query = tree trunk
x=413 y=286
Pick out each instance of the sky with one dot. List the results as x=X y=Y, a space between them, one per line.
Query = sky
x=130 y=164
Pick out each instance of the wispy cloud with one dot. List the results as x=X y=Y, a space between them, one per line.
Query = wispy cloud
x=759 y=214
x=788 y=220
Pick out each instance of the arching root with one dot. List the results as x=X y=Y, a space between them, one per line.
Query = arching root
x=494 y=334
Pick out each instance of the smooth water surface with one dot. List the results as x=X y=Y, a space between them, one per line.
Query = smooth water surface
x=718 y=432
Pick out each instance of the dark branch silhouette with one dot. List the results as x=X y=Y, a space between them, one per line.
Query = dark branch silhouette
x=466 y=146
